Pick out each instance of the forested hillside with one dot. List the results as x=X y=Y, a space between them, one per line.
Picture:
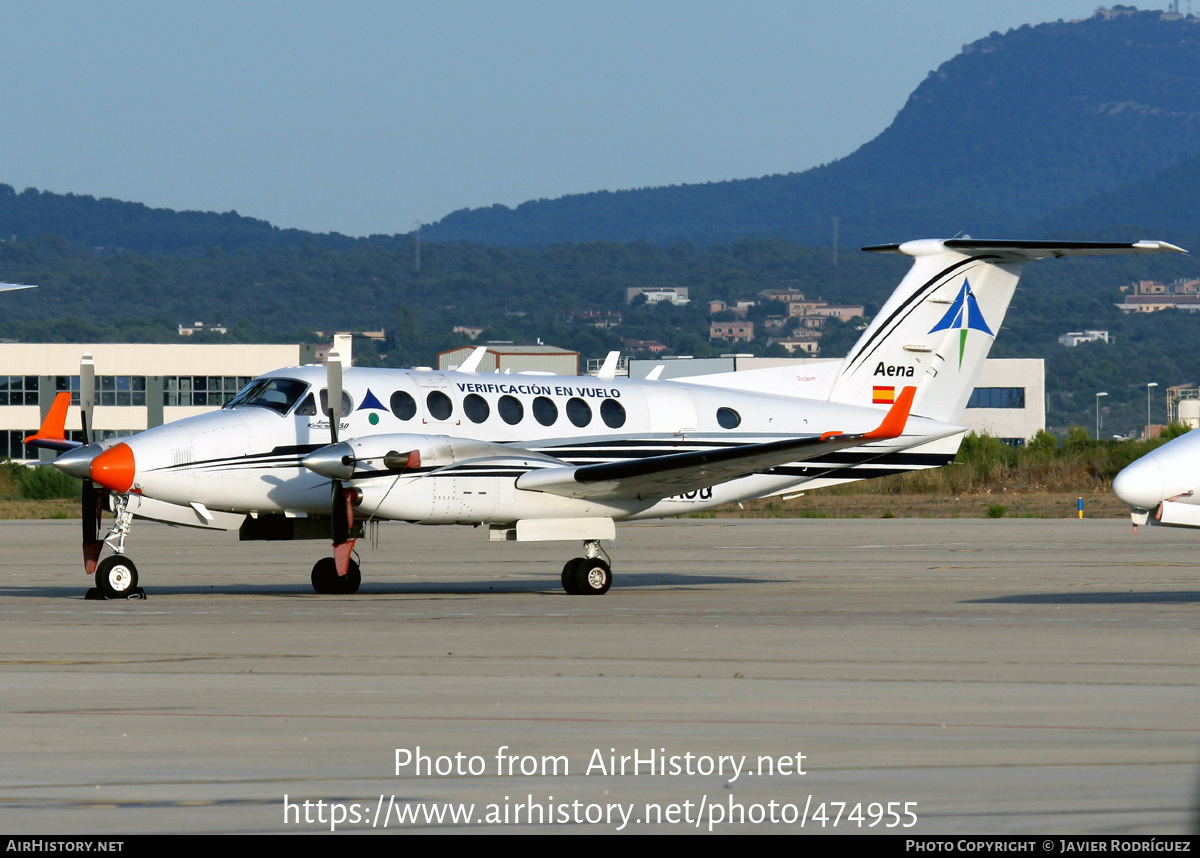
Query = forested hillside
x=1015 y=128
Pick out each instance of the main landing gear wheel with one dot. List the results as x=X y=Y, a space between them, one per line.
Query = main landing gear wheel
x=116 y=577
x=568 y=575
x=325 y=579
x=584 y=576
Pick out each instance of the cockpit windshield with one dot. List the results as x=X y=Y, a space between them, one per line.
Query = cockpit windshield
x=278 y=394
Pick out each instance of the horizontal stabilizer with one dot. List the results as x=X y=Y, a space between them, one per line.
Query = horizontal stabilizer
x=1028 y=249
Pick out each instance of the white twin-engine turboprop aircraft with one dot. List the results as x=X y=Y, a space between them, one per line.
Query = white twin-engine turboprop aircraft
x=546 y=457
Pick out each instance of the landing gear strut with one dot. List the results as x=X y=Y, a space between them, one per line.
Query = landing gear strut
x=590 y=575
x=116 y=575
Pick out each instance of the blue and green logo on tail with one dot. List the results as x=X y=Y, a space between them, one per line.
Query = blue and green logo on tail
x=964 y=315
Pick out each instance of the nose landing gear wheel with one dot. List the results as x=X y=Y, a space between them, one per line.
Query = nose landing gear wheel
x=325 y=579
x=116 y=577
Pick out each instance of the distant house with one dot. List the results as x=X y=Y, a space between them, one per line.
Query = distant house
x=472 y=331
x=1074 y=338
x=188 y=330
x=1150 y=296
x=804 y=341
x=652 y=346
x=734 y=332
x=654 y=294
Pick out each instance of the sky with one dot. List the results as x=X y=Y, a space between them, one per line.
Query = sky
x=369 y=117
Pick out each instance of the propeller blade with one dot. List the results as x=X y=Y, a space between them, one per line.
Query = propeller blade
x=343 y=523
x=93 y=502
x=333 y=385
x=342 y=513
x=87 y=396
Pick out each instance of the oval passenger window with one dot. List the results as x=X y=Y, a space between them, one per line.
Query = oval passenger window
x=403 y=405
x=579 y=412
x=476 y=408
x=728 y=418
x=511 y=410
x=545 y=411
x=613 y=413
x=439 y=405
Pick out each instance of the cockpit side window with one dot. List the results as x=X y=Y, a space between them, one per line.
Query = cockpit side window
x=278 y=394
x=347 y=404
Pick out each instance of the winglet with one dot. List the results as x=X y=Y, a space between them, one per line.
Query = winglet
x=897 y=416
x=52 y=434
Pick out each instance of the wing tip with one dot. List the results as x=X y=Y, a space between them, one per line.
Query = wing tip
x=896 y=419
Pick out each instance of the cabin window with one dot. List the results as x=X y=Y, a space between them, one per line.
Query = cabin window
x=545 y=411
x=347 y=405
x=439 y=405
x=476 y=408
x=579 y=412
x=403 y=405
x=613 y=413
x=728 y=418
x=511 y=410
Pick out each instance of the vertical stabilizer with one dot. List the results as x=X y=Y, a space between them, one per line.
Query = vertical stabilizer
x=938 y=326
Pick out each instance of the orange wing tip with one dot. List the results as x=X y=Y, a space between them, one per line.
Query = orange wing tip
x=54 y=427
x=897 y=417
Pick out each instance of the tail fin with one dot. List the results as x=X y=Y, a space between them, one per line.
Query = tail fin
x=938 y=326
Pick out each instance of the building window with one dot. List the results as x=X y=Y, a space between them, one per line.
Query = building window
x=12 y=445
x=18 y=390
x=206 y=390
x=110 y=389
x=997 y=397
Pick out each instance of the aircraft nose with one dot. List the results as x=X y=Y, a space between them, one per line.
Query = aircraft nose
x=114 y=468
x=1140 y=484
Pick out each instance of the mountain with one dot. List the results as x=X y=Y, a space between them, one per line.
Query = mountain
x=1014 y=129
x=114 y=225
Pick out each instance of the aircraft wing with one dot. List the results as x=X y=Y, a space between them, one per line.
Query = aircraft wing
x=663 y=476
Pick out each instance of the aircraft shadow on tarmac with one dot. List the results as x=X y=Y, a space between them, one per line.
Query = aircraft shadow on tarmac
x=548 y=586
x=1132 y=597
